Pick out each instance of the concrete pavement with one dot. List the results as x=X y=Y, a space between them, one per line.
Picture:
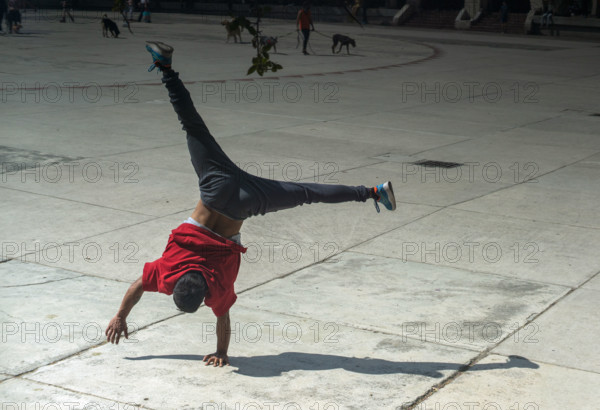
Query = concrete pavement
x=480 y=292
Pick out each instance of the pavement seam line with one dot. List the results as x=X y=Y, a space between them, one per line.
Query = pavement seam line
x=41 y=283
x=331 y=256
x=75 y=201
x=521 y=183
x=554 y=364
x=562 y=285
x=366 y=328
x=434 y=389
x=81 y=392
x=80 y=352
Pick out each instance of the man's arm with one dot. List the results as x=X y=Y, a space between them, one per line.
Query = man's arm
x=220 y=358
x=118 y=324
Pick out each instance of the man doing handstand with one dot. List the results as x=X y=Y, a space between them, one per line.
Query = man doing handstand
x=202 y=257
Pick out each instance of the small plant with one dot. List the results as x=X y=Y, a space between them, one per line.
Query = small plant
x=262 y=62
x=119 y=6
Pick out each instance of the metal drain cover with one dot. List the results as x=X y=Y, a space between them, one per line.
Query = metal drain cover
x=437 y=164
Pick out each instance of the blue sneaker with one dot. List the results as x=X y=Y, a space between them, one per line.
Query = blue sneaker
x=385 y=194
x=161 y=55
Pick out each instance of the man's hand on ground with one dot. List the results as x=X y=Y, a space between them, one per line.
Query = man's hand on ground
x=216 y=359
x=116 y=326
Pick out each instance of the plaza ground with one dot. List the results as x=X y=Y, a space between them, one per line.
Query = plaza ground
x=481 y=290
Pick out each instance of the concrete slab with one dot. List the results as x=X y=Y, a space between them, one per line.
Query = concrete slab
x=64 y=137
x=4 y=377
x=420 y=302
x=556 y=338
x=493 y=107
x=530 y=135
x=594 y=283
x=118 y=255
x=25 y=394
x=277 y=245
x=285 y=243
x=371 y=122
x=302 y=147
x=390 y=139
x=566 y=96
x=254 y=161
x=591 y=161
x=572 y=122
x=274 y=359
x=33 y=338
x=36 y=274
x=62 y=221
x=566 y=196
x=432 y=185
x=496 y=157
x=422 y=123
x=141 y=189
x=527 y=385
x=487 y=243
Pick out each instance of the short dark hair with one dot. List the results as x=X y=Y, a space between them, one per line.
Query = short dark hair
x=189 y=291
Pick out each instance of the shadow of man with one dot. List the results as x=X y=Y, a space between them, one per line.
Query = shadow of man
x=276 y=365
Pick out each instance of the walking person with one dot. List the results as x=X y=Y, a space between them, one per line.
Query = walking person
x=3 y=9
x=13 y=18
x=503 y=16
x=67 y=8
x=304 y=23
x=144 y=11
x=203 y=254
x=548 y=12
x=130 y=9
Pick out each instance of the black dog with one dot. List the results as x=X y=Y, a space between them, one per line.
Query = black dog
x=344 y=41
x=109 y=25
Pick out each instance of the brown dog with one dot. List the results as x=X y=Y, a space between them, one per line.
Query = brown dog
x=231 y=31
x=343 y=41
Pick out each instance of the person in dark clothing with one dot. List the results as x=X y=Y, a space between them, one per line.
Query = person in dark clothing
x=67 y=8
x=2 y=12
x=503 y=16
x=13 y=18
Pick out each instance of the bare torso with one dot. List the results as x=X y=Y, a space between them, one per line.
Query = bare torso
x=215 y=221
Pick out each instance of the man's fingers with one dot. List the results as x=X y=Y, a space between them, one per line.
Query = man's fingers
x=126 y=332
x=215 y=361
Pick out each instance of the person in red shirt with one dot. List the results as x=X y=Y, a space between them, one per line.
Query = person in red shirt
x=202 y=257
x=304 y=23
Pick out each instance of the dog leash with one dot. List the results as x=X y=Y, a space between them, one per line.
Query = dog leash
x=308 y=43
x=324 y=35
x=286 y=34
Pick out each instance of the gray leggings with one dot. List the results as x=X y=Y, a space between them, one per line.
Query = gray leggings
x=227 y=189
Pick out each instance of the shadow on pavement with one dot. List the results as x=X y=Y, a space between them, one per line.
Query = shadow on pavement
x=276 y=365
